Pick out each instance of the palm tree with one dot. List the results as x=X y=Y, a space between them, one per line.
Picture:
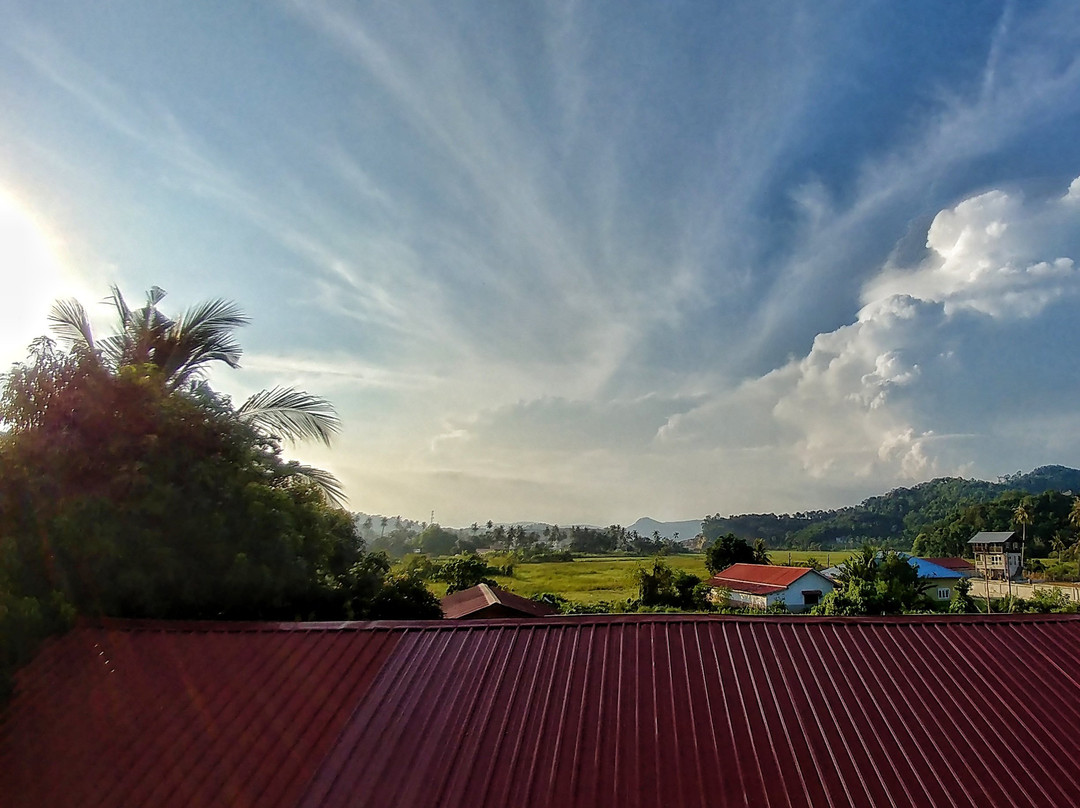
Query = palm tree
x=1057 y=544
x=1021 y=516
x=1074 y=514
x=181 y=350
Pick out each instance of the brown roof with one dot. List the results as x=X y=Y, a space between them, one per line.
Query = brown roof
x=490 y=601
x=758 y=579
x=560 y=712
x=954 y=564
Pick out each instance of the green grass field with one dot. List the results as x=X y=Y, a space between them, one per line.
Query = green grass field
x=604 y=578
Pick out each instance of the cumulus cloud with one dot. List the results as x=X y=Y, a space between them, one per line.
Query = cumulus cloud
x=901 y=393
x=992 y=254
x=911 y=388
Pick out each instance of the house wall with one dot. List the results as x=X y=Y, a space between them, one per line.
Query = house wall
x=992 y=560
x=938 y=584
x=792 y=597
x=745 y=599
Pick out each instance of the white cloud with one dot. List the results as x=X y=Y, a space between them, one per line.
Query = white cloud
x=990 y=256
x=882 y=397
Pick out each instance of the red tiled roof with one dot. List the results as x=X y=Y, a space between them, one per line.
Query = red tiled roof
x=758 y=579
x=597 y=711
x=954 y=564
x=492 y=601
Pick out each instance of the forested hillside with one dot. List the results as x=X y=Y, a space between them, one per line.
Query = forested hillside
x=941 y=511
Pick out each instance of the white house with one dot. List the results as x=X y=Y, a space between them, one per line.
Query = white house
x=759 y=586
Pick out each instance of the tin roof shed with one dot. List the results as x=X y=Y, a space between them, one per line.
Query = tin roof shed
x=598 y=711
x=483 y=601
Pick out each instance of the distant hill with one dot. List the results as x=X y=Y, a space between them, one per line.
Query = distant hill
x=897 y=517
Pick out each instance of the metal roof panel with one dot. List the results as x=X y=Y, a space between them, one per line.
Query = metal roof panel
x=560 y=711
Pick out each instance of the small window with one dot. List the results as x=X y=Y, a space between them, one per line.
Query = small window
x=944 y=593
x=811 y=597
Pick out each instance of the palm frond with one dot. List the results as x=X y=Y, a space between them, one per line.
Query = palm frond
x=291 y=414
x=69 y=321
x=122 y=310
x=322 y=479
x=202 y=335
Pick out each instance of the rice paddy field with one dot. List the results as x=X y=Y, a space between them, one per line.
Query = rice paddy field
x=594 y=579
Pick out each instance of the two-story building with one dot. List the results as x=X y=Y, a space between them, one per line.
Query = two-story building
x=998 y=555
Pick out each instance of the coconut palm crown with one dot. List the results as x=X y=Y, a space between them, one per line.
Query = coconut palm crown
x=183 y=349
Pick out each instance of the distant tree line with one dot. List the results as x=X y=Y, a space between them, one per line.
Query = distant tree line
x=551 y=543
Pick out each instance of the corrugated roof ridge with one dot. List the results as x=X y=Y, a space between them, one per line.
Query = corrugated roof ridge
x=211 y=626
x=848 y=699
x=791 y=751
x=964 y=709
x=898 y=687
x=489 y=596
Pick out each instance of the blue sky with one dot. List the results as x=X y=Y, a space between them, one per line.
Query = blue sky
x=580 y=262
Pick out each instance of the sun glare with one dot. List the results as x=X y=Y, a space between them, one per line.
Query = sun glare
x=31 y=278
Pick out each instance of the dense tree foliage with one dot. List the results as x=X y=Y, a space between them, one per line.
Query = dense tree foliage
x=894 y=519
x=961 y=601
x=463 y=572
x=660 y=585
x=874 y=581
x=1046 y=519
x=125 y=493
x=730 y=549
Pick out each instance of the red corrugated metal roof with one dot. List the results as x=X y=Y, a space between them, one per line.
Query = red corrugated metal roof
x=743 y=586
x=758 y=579
x=595 y=711
x=481 y=597
x=182 y=714
x=954 y=564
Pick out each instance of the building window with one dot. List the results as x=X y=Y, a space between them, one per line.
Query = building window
x=943 y=593
x=811 y=597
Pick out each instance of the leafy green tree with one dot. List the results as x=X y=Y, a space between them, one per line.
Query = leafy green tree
x=961 y=601
x=183 y=349
x=874 y=581
x=124 y=495
x=464 y=572
x=132 y=500
x=761 y=552
x=660 y=585
x=727 y=550
x=436 y=540
x=1074 y=513
x=1022 y=516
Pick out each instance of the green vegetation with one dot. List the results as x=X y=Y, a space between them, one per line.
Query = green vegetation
x=874 y=581
x=591 y=580
x=897 y=519
x=730 y=549
x=661 y=586
x=129 y=488
x=1045 y=520
x=526 y=544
